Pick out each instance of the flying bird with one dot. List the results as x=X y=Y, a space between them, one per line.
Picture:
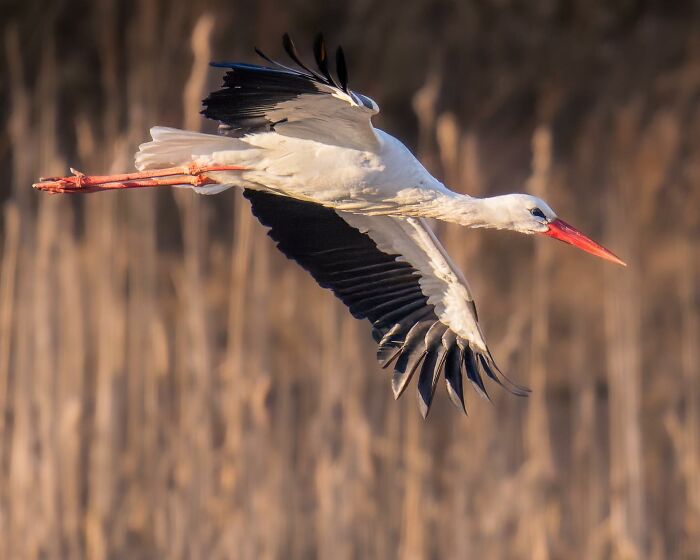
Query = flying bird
x=349 y=203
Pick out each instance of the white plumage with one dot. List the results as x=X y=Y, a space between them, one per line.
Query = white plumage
x=348 y=202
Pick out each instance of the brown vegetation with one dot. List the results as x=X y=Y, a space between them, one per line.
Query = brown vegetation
x=171 y=387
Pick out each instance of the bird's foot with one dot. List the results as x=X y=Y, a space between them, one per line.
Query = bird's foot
x=192 y=174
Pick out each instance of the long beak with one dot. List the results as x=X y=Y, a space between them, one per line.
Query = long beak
x=558 y=229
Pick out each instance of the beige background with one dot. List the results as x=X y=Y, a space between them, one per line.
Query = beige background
x=171 y=387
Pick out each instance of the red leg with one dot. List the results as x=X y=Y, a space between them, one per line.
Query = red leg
x=192 y=174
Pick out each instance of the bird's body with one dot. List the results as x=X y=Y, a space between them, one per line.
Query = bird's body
x=386 y=179
x=349 y=203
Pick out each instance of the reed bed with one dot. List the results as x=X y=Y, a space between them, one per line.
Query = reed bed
x=172 y=387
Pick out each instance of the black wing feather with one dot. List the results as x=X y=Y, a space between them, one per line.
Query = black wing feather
x=251 y=91
x=432 y=366
x=291 y=50
x=453 y=377
x=410 y=336
x=413 y=350
x=471 y=370
x=322 y=59
x=341 y=68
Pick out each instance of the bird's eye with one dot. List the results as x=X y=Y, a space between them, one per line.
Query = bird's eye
x=538 y=213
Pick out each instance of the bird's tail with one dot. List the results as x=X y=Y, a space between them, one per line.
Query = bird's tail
x=206 y=163
x=171 y=147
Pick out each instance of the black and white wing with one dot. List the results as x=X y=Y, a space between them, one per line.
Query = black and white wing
x=302 y=102
x=393 y=272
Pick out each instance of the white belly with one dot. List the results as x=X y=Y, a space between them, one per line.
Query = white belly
x=334 y=176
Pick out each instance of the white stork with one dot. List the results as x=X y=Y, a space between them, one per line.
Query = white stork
x=349 y=203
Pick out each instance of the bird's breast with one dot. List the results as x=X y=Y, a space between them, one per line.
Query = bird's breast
x=336 y=175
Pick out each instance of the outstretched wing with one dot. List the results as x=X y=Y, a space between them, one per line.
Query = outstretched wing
x=393 y=272
x=302 y=102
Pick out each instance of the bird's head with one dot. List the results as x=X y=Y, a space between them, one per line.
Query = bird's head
x=528 y=214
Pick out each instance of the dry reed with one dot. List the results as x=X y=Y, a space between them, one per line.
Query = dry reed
x=171 y=387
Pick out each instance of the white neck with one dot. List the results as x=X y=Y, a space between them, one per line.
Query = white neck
x=448 y=206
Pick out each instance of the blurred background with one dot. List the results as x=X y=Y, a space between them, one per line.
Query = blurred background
x=172 y=387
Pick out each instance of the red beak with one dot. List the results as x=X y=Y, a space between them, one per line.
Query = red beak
x=562 y=231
